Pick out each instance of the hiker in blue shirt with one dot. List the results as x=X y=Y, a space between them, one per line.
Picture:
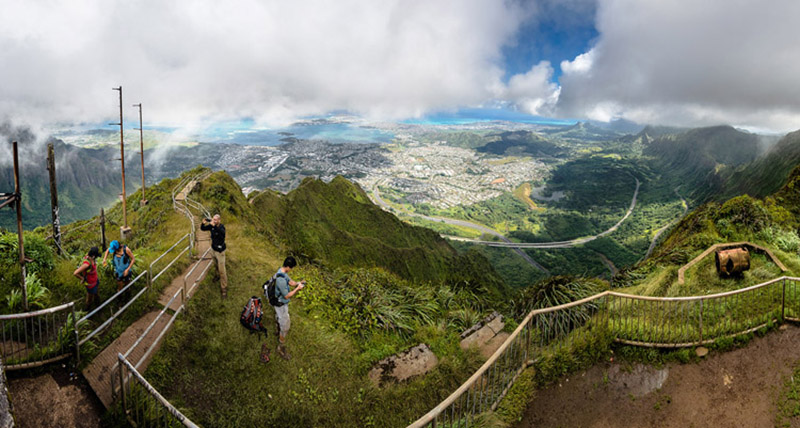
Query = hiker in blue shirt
x=284 y=294
x=122 y=259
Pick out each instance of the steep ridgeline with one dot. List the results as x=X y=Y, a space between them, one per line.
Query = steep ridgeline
x=337 y=224
x=766 y=174
x=771 y=222
x=695 y=158
x=87 y=180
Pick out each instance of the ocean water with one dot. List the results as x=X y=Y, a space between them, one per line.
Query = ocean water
x=333 y=132
x=477 y=115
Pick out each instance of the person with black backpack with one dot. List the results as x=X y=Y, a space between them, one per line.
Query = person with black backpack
x=279 y=293
x=122 y=259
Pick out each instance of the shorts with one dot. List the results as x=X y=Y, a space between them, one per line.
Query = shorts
x=126 y=279
x=282 y=318
x=94 y=289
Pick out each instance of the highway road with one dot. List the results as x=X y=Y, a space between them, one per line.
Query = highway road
x=507 y=243
x=483 y=229
x=564 y=244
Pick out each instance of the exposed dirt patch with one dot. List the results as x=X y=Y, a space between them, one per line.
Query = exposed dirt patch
x=53 y=400
x=732 y=389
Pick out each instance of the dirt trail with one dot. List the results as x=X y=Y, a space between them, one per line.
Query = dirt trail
x=53 y=400
x=732 y=389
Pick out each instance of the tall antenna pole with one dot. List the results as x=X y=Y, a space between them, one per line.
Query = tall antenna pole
x=51 y=168
x=141 y=150
x=18 y=203
x=124 y=229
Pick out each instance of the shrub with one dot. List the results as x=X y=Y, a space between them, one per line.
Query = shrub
x=35 y=248
x=37 y=294
x=744 y=211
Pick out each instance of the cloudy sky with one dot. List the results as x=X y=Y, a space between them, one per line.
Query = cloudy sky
x=197 y=62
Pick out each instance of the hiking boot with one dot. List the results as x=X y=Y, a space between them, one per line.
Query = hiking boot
x=264 y=354
x=284 y=353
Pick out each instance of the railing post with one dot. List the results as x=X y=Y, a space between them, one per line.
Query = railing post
x=701 y=320
x=77 y=336
x=783 y=302
x=527 y=342
x=122 y=384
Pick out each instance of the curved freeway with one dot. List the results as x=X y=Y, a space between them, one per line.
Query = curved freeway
x=565 y=244
x=507 y=243
x=483 y=229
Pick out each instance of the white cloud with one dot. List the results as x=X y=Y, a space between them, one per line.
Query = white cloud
x=689 y=63
x=582 y=64
x=200 y=61
x=533 y=92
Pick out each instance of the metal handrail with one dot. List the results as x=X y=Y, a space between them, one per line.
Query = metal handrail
x=197 y=281
x=706 y=296
x=109 y=300
x=32 y=339
x=107 y=322
x=161 y=334
x=168 y=250
x=71 y=305
x=188 y=274
x=457 y=396
x=110 y=319
x=175 y=413
x=36 y=313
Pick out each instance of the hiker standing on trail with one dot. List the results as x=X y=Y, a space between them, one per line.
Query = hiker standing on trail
x=280 y=302
x=87 y=273
x=122 y=259
x=218 y=247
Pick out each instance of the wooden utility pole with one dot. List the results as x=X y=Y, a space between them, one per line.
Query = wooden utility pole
x=103 y=228
x=51 y=168
x=124 y=230
x=141 y=151
x=18 y=203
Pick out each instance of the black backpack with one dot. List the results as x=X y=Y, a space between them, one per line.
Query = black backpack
x=251 y=315
x=271 y=292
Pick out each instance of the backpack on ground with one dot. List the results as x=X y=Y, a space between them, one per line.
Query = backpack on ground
x=251 y=315
x=270 y=290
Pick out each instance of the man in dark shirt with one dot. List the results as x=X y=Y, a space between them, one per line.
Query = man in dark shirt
x=218 y=249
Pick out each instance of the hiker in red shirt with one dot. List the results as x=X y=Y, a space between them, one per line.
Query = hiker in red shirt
x=87 y=273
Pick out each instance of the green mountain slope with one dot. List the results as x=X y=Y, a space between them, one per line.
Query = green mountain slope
x=771 y=222
x=87 y=180
x=404 y=287
x=766 y=174
x=695 y=157
x=336 y=223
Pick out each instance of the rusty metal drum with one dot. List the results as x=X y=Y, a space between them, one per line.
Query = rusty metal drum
x=732 y=262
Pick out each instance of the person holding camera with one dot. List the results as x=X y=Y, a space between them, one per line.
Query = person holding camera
x=280 y=302
x=217 y=230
